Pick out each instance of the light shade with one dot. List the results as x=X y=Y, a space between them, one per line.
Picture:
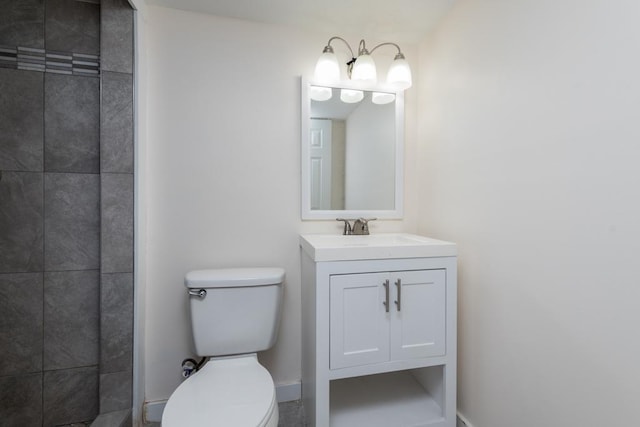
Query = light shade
x=320 y=93
x=399 y=75
x=351 y=96
x=382 y=97
x=364 y=70
x=327 y=70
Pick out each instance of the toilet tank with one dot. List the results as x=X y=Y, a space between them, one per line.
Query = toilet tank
x=238 y=312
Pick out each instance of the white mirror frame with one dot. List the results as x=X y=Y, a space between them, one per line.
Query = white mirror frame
x=307 y=212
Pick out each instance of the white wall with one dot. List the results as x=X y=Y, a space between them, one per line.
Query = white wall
x=530 y=147
x=223 y=172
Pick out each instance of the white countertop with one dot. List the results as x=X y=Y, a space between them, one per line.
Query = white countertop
x=330 y=247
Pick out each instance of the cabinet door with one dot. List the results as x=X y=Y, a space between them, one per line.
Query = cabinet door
x=418 y=314
x=359 y=323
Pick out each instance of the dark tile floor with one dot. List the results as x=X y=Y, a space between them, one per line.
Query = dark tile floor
x=291 y=415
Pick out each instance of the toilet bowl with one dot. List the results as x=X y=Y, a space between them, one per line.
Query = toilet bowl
x=226 y=392
x=234 y=314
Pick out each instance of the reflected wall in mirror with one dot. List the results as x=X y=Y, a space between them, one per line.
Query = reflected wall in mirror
x=351 y=153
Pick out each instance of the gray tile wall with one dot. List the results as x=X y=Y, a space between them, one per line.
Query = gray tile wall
x=117 y=224
x=117 y=205
x=21 y=120
x=72 y=26
x=21 y=323
x=115 y=391
x=71 y=319
x=70 y=395
x=21 y=221
x=72 y=124
x=22 y=23
x=116 y=41
x=116 y=129
x=116 y=350
x=66 y=177
x=21 y=398
x=72 y=221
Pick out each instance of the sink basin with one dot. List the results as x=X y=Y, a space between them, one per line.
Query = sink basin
x=329 y=247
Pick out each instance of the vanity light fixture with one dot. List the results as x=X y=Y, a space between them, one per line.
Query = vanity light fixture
x=381 y=98
x=320 y=93
x=351 y=96
x=361 y=69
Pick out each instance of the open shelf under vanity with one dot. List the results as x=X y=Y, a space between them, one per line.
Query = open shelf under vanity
x=405 y=398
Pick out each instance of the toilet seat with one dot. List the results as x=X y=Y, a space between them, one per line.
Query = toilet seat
x=233 y=391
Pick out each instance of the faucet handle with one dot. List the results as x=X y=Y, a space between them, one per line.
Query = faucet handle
x=361 y=226
x=347 y=226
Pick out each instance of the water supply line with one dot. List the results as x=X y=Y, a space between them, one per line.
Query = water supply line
x=189 y=366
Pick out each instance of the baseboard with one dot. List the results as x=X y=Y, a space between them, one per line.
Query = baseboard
x=153 y=411
x=111 y=419
x=284 y=393
x=462 y=421
x=288 y=392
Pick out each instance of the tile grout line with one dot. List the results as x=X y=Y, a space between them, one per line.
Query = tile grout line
x=44 y=212
x=100 y=216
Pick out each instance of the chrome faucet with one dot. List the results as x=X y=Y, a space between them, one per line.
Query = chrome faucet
x=347 y=226
x=360 y=226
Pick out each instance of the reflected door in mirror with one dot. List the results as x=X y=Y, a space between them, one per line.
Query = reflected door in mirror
x=326 y=152
x=320 y=163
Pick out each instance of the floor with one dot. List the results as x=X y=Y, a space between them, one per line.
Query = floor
x=291 y=415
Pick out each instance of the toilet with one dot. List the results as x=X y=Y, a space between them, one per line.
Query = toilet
x=234 y=314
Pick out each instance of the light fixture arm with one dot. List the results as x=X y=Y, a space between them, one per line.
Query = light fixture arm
x=328 y=47
x=399 y=55
x=350 y=63
x=362 y=48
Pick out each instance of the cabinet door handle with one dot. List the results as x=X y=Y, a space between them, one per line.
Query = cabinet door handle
x=386 y=293
x=399 y=300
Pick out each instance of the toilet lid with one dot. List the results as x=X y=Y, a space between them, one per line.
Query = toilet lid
x=225 y=392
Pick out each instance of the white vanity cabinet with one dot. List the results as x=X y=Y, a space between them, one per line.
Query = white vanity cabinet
x=378 y=317
x=378 y=332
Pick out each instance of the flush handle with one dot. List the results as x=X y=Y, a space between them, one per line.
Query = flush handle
x=399 y=300
x=386 y=296
x=200 y=293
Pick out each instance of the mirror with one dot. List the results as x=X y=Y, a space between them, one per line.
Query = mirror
x=351 y=152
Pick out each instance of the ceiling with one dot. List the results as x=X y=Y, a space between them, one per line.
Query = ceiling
x=390 y=20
